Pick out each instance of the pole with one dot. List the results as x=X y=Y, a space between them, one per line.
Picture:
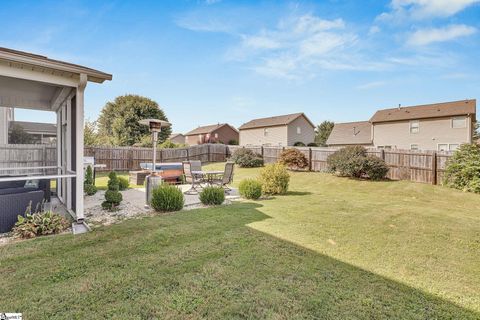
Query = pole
x=154 y=151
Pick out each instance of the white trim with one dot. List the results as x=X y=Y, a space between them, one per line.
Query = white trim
x=79 y=98
x=29 y=74
x=53 y=176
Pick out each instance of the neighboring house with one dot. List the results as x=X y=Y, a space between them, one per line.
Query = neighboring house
x=278 y=131
x=439 y=126
x=177 y=138
x=351 y=133
x=41 y=133
x=6 y=115
x=216 y=133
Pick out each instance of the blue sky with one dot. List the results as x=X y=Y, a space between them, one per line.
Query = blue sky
x=230 y=61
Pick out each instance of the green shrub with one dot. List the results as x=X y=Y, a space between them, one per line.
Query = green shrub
x=250 y=189
x=375 y=168
x=312 y=144
x=352 y=161
x=112 y=196
x=246 y=158
x=293 y=159
x=347 y=161
x=274 y=179
x=166 y=198
x=212 y=196
x=88 y=176
x=299 y=144
x=233 y=142
x=123 y=183
x=90 y=189
x=39 y=224
x=463 y=169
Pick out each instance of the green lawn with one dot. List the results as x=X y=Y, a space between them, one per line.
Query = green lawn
x=101 y=180
x=333 y=248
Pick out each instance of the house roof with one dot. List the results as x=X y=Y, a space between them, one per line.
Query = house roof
x=436 y=110
x=350 y=133
x=174 y=135
x=22 y=57
x=36 y=127
x=208 y=129
x=273 y=121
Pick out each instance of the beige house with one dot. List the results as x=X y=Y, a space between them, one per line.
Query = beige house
x=351 y=133
x=40 y=133
x=283 y=130
x=440 y=126
x=216 y=133
x=177 y=138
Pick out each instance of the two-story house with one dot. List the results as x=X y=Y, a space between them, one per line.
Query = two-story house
x=283 y=130
x=215 y=133
x=440 y=126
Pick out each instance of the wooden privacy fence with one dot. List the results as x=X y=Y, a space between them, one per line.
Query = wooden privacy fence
x=418 y=166
x=129 y=158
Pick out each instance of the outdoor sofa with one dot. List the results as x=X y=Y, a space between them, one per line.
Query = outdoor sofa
x=16 y=196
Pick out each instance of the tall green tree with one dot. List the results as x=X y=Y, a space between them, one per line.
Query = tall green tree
x=119 y=120
x=322 y=132
x=18 y=135
x=476 y=131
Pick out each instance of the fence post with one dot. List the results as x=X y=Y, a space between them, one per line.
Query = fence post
x=309 y=159
x=188 y=154
x=434 y=168
x=208 y=152
x=382 y=154
x=227 y=150
x=262 y=152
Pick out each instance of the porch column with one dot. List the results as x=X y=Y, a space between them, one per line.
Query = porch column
x=79 y=145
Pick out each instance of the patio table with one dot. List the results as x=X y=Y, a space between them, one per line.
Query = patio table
x=209 y=176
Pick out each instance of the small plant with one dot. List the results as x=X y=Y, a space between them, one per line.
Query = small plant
x=88 y=186
x=113 y=197
x=233 y=142
x=463 y=169
x=246 y=158
x=123 y=183
x=299 y=144
x=274 y=178
x=90 y=189
x=293 y=159
x=212 y=196
x=39 y=224
x=167 y=198
x=250 y=189
x=353 y=161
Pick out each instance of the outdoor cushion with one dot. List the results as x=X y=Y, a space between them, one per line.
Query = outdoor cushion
x=11 y=184
x=13 y=190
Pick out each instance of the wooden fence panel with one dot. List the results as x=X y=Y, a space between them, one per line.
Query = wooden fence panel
x=27 y=155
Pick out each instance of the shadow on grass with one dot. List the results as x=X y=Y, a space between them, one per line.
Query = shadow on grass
x=206 y=263
x=297 y=193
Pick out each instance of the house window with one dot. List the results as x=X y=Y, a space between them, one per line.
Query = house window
x=299 y=130
x=442 y=147
x=453 y=146
x=384 y=147
x=414 y=126
x=414 y=147
x=265 y=132
x=459 y=122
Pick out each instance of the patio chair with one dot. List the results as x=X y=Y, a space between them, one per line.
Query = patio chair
x=196 y=165
x=192 y=178
x=227 y=177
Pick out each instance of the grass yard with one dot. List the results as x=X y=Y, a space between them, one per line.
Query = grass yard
x=333 y=248
x=101 y=180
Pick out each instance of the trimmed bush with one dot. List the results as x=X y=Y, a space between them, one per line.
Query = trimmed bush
x=250 y=189
x=90 y=189
x=246 y=158
x=312 y=144
x=463 y=169
x=293 y=159
x=352 y=161
x=212 y=196
x=167 y=198
x=233 y=142
x=299 y=144
x=375 y=168
x=274 y=178
x=39 y=224
x=113 y=197
x=123 y=183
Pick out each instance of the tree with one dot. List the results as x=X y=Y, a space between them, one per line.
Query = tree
x=476 y=131
x=119 y=120
x=323 y=130
x=19 y=136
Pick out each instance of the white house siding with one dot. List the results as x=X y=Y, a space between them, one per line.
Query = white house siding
x=307 y=131
x=432 y=132
x=276 y=136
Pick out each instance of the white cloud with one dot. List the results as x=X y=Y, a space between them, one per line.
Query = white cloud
x=424 y=37
x=421 y=9
x=371 y=85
